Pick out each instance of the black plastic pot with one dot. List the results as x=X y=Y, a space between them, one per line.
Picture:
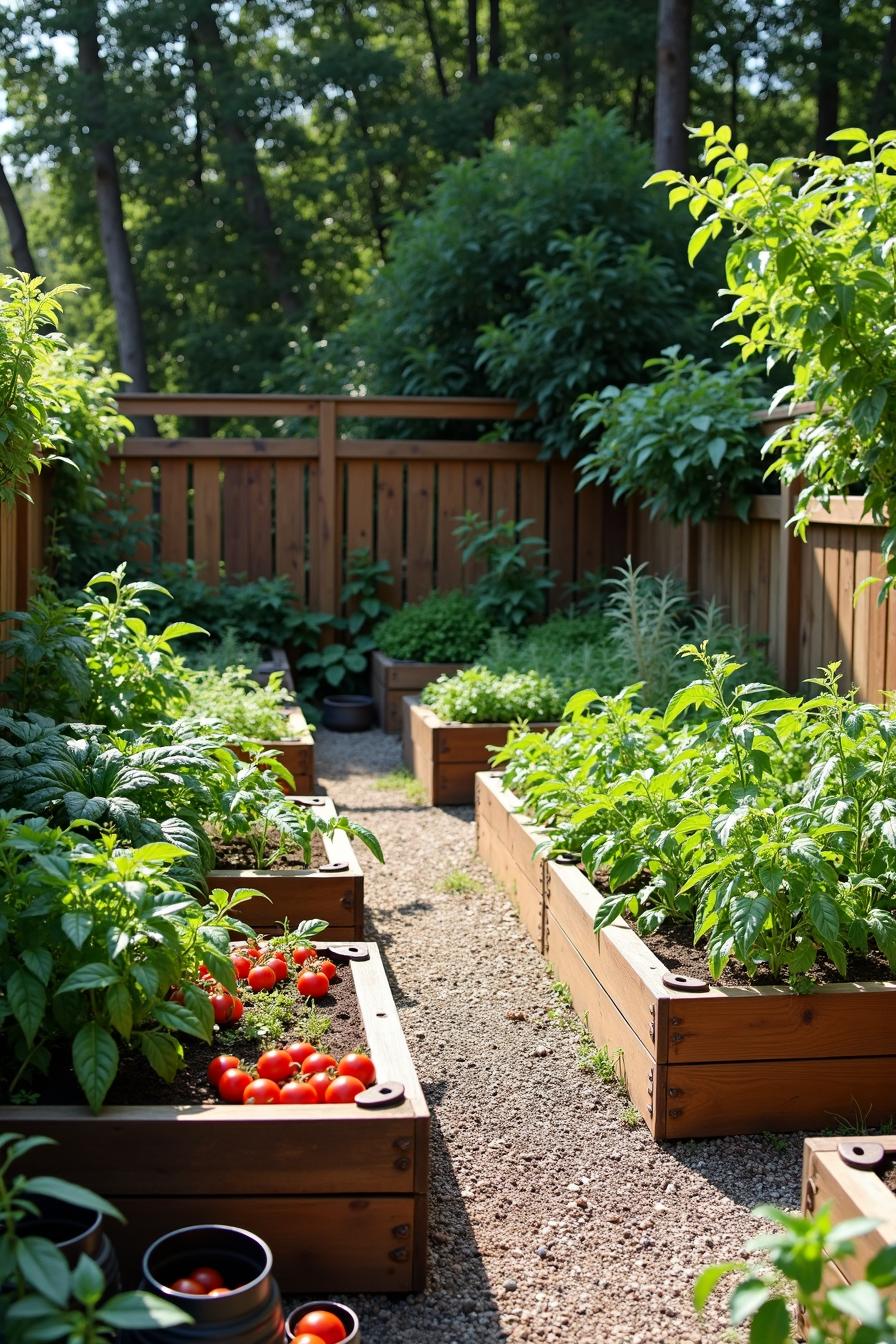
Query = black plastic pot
x=345 y=1314
x=251 y=1314
x=76 y=1232
x=348 y=713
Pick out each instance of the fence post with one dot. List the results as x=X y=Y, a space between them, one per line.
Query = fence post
x=790 y=580
x=690 y=556
x=328 y=510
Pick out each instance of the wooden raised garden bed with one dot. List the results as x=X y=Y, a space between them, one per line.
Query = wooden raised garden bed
x=296 y=753
x=717 y=1061
x=394 y=678
x=446 y=757
x=848 y=1175
x=506 y=842
x=334 y=893
x=339 y=1193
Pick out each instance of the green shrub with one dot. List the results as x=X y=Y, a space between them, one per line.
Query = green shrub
x=515 y=582
x=476 y=695
x=687 y=442
x=571 y=651
x=441 y=628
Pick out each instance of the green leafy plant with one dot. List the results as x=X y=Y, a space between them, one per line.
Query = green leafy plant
x=93 y=940
x=233 y=699
x=31 y=434
x=441 y=628
x=687 y=442
x=812 y=284
x=476 y=695
x=856 y=1313
x=41 y=1296
x=342 y=664
x=515 y=582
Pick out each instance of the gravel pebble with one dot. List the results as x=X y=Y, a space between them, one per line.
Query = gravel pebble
x=528 y=1151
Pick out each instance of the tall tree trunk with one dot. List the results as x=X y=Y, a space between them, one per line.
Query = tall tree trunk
x=113 y=234
x=636 y=102
x=673 y=80
x=435 y=47
x=884 y=85
x=473 y=41
x=15 y=224
x=244 y=161
x=828 y=84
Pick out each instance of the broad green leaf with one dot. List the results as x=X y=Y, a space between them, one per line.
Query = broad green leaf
x=28 y=1001
x=824 y=915
x=94 y=975
x=39 y=962
x=77 y=926
x=771 y=1324
x=120 y=1008
x=861 y=1300
x=95 y=1060
x=748 y=916
x=44 y=1268
x=178 y=1017
x=53 y=1187
x=709 y=1280
x=881 y=1269
x=88 y=1282
x=689 y=697
x=141 y=1311
x=163 y=1053
x=746 y=1299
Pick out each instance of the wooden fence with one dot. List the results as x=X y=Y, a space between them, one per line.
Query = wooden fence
x=21 y=551
x=297 y=506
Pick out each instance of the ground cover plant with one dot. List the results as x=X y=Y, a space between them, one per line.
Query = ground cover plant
x=757 y=824
x=476 y=695
x=441 y=628
x=233 y=698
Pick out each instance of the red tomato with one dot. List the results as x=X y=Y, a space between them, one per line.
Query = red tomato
x=298 y=1094
x=305 y=1338
x=253 y=951
x=276 y=1064
x=242 y=965
x=237 y=1011
x=220 y=1065
x=301 y=954
x=319 y=1081
x=343 y=1089
x=218 y=1292
x=262 y=977
x=232 y=1084
x=300 y=1050
x=222 y=1007
x=313 y=984
x=278 y=954
x=317 y=1063
x=324 y=1324
x=328 y=968
x=189 y=1286
x=263 y=1092
x=357 y=1065
x=279 y=967
x=208 y=1277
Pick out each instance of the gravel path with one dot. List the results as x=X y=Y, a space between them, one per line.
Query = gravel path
x=551 y=1218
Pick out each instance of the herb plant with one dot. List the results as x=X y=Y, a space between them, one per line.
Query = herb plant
x=441 y=628
x=476 y=695
x=515 y=581
x=41 y=1297
x=687 y=442
x=810 y=276
x=233 y=698
x=856 y=1313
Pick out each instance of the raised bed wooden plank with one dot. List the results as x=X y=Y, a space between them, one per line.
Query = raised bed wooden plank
x=852 y=1193
x=725 y=1060
x=295 y=753
x=363 y=1173
x=507 y=842
x=394 y=678
x=446 y=757
x=295 y=894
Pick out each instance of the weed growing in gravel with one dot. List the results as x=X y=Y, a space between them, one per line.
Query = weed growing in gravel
x=631 y=1117
x=459 y=883
x=402 y=781
x=590 y=1057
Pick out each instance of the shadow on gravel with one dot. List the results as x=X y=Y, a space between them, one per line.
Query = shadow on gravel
x=750 y=1169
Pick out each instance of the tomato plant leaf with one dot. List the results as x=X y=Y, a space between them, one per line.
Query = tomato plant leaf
x=28 y=1000
x=95 y=1060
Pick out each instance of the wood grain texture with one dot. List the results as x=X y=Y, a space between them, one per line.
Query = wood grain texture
x=506 y=843
x=173 y=512
x=852 y=1193
x=446 y=758
x=394 y=678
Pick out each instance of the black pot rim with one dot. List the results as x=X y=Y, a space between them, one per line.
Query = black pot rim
x=322 y=1304
x=355 y=701
x=92 y=1227
x=159 y=1242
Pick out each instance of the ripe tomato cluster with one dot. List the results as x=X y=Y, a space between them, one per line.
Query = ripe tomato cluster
x=263 y=969
x=201 y=1282
x=300 y=1075
x=319 y=1327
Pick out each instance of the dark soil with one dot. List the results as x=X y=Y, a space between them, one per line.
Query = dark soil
x=236 y=854
x=673 y=945
x=137 y=1084
x=888 y=1176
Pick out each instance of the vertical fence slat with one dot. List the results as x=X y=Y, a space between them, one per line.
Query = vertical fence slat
x=289 y=520
x=533 y=495
x=504 y=491
x=476 y=492
x=449 y=570
x=877 y=624
x=860 y=631
x=589 y=531
x=390 y=514
x=561 y=532
x=173 y=511
x=421 y=482
x=259 y=519
x=359 y=506
x=207 y=518
x=831 y=631
x=236 y=523
x=845 y=612
x=327 y=507
x=137 y=487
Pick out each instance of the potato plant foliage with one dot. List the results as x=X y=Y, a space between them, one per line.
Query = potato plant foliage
x=763 y=823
